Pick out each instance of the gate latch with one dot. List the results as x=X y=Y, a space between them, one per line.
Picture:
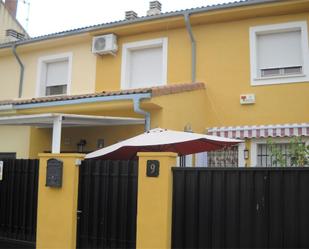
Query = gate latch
x=1 y=170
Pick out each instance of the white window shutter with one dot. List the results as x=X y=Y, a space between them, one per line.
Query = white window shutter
x=279 y=50
x=57 y=73
x=146 y=67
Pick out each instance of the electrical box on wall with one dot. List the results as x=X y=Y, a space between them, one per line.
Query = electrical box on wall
x=247 y=99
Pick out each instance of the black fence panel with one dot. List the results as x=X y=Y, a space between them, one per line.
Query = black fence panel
x=18 y=203
x=107 y=204
x=240 y=208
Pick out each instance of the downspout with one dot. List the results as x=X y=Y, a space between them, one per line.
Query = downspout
x=193 y=47
x=22 y=68
x=139 y=110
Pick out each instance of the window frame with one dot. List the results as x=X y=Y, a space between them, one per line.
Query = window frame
x=126 y=54
x=256 y=79
x=41 y=73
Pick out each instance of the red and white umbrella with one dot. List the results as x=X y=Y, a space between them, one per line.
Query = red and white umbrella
x=162 y=140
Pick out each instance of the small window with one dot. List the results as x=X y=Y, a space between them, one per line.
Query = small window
x=265 y=158
x=55 y=74
x=279 y=53
x=227 y=157
x=144 y=64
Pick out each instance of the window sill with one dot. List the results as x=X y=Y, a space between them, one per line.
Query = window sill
x=56 y=95
x=280 y=77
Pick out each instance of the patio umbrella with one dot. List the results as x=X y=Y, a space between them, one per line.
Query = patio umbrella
x=163 y=140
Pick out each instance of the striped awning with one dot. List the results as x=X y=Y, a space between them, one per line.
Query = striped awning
x=261 y=131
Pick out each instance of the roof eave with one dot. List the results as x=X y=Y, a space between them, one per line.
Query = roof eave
x=138 y=20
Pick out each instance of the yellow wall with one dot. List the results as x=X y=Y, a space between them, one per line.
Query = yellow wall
x=40 y=141
x=154 y=215
x=57 y=207
x=15 y=139
x=223 y=63
x=183 y=109
x=83 y=69
x=9 y=77
x=7 y=22
x=108 y=74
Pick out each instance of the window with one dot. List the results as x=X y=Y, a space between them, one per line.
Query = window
x=54 y=75
x=185 y=161
x=223 y=158
x=261 y=155
x=265 y=159
x=144 y=64
x=279 y=53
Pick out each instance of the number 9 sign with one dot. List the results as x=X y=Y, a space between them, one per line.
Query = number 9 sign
x=152 y=168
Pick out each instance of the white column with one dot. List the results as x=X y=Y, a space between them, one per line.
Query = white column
x=241 y=155
x=56 y=143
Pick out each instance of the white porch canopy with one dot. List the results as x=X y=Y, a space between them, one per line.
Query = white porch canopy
x=58 y=120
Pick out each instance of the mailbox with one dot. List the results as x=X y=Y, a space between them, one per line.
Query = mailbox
x=54 y=173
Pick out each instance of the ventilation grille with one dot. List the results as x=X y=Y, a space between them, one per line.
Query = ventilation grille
x=269 y=72
x=15 y=34
x=56 y=90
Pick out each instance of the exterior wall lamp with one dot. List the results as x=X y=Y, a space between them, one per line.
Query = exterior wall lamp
x=81 y=145
x=246 y=154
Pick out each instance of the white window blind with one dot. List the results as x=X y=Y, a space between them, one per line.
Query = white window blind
x=279 y=50
x=146 y=67
x=57 y=73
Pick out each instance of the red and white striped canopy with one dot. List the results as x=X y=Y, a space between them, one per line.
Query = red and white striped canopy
x=261 y=131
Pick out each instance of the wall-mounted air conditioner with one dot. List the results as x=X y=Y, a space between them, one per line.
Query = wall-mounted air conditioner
x=104 y=44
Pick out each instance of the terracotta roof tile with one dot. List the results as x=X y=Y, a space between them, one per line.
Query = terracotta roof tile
x=155 y=91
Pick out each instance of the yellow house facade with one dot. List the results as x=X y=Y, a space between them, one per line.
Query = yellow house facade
x=238 y=70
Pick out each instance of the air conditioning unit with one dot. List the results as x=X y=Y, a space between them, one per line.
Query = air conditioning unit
x=104 y=44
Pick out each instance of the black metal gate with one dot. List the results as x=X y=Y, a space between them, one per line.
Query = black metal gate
x=240 y=208
x=107 y=204
x=18 y=203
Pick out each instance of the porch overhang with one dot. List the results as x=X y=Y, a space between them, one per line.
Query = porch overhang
x=46 y=120
x=58 y=120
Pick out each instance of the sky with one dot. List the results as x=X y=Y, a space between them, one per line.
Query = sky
x=49 y=16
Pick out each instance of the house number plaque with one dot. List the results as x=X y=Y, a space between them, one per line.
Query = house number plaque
x=153 y=167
